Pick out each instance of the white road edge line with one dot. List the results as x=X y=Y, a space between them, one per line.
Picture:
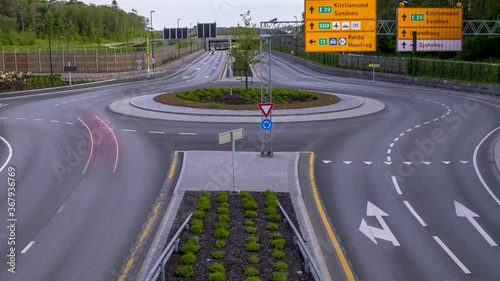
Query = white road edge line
x=452 y=256
x=396 y=185
x=127 y=130
x=116 y=143
x=10 y=154
x=61 y=209
x=27 y=247
x=91 y=145
x=414 y=213
x=474 y=158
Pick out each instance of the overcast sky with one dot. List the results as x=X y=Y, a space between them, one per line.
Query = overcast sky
x=223 y=12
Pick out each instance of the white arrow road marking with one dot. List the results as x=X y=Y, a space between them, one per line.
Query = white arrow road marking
x=327 y=161
x=452 y=256
x=463 y=212
x=367 y=162
x=396 y=185
x=371 y=232
x=347 y=162
x=388 y=163
x=446 y=162
x=407 y=163
x=426 y=163
x=389 y=159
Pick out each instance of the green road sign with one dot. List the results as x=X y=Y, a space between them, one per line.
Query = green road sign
x=322 y=41
x=374 y=65
x=416 y=17
x=324 y=25
x=324 y=9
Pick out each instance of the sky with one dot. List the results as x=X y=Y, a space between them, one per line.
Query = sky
x=225 y=13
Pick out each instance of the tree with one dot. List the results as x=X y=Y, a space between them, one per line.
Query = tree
x=247 y=38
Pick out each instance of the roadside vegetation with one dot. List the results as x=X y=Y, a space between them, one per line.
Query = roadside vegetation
x=221 y=98
x=12 y=81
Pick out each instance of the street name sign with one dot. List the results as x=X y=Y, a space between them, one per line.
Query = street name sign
x=340 y=26
x=436 y=29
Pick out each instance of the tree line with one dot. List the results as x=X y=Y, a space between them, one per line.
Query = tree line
x=24 y=22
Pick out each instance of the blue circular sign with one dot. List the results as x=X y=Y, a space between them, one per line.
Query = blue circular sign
x=266 y=124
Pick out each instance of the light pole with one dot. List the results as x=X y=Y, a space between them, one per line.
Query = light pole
x=50 y=47
x=178 y=39
x=152 y=41
x=295 y=52
x=178 y=22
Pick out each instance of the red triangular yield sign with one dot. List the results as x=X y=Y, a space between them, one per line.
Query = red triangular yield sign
x=266 y=108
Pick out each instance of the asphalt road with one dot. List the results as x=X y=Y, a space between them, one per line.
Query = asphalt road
x=84 y=216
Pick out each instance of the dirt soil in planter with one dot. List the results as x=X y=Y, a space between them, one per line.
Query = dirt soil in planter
x=236 y=256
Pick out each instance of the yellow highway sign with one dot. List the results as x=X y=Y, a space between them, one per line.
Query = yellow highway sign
x=340 y=25
x=430 y=33
x=340 y=41
x=429 y=17
x=330 y=10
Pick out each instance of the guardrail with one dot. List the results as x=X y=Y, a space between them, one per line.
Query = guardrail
x=309 y=264
x=173 y=245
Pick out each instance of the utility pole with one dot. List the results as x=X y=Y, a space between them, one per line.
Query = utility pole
x=152 y=38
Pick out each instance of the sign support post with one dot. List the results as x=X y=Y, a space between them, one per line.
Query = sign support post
x=232 y=136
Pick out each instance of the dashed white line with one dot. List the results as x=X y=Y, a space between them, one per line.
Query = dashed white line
x=446 y=162
x=64 y=102
x=189 y=134
x=83 y=98
x=156 y=132
x=72 y=100
x=426 y=163
x=70 y=123
x=367 y=162
x=396 y=185
x=388 y=163
x=95 y=96
x=54 y=121
x=414 y=213
x=452 y=256
x=389 y=151
x=396 y=139
x=38 y=119
x=437 y=119
x=436 y=102
x=443 y=116
x=407 y=163
x=417 y=126
x=389 y=159
x=427 y=123
x=347 y=162
x=4 y=118
x=391 y=145
x=21 y=118
x=127 y=130
x=464 y=162
x=409 y=130
x=3 y=105
x=27 y=247
x=61 y=209
x=56 y=104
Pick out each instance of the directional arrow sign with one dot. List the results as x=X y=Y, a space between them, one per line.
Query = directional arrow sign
x=463 y=212
x=371 y=232
x=266 y=108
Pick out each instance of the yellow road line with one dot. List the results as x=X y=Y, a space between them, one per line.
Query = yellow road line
x=222 y=70
x=329 y=230
x=131 y=260
x=149 y=225
x=172 y=166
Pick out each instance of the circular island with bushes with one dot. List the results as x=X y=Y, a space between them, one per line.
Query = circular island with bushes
x=239 y=99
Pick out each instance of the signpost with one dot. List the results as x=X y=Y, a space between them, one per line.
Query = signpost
x=231 y=136
x=69 y=69
x=340 y=26
x=436 y=29
x=373 y=66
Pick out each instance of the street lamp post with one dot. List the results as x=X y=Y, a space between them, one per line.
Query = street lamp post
x=50 y=48
x=295 y=52
x=152 y=40
x=178 y=39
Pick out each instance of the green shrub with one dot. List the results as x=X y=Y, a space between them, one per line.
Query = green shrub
x=218 y=255
x=279 y=276
x=217 y=276
x=269 y=193
x=253 y=278
x=205 y=194
x=188 y=258
x=196 y=226
x=272 y=226
x=203 y=204
x=271 y=210
x=221 y=233
x=275 y=235
x=250 y=214
x=250 y=205
x=273 y=217
x=223 y=197
x=249 y=223
x=251 y=271
x=216 y=267
x=184 y=271
x=191 y=246
x=245 y=194
x=221 y=224
x=272 y=202
x=251 y=230
x=220 y=244
x=278 y=255
x=253 y=259
x=252 y=247
x=278 y=244
x=224 y=205
x=280 y=266
x=222 y=210
x=199 y=215
x=223 y=218
x=252 y=239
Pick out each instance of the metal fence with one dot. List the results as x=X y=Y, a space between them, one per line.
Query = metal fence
x=159 y=266
x=95 y=61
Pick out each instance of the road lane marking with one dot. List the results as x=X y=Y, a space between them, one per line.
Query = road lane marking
x=56 y=104
x=389 y=159
x=70 y=123
x=156 y=132
x=72 y=100
x=347 y=162
x=320 y=207
x=426 y=163
x=417 y=126
x=477 y=169
x=21 y=118
x=367 y=162
x=437 y=119
x=407 y=163
x=189 y=134
x=464 y=212
x=116 y=143
x=452 y=256
x=464 y=162
x=54 y=121
x=396 y=185
x=39 y=120
x=391 y=145
x=3 y=105
x=91 y=145
x=61 y=209
x=173 y=165
x=95 y=96
x=446 y=162
x=427 y=123
x=8 y=157
x=409 y=130
x=396 y=139
x=4 y=118
x=389 y=151
x=388 y=163
x=128 y=130
x=414 y=213
x=27 y=247
x=402 y=134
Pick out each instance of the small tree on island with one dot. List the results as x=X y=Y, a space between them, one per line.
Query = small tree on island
x=247 y=38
